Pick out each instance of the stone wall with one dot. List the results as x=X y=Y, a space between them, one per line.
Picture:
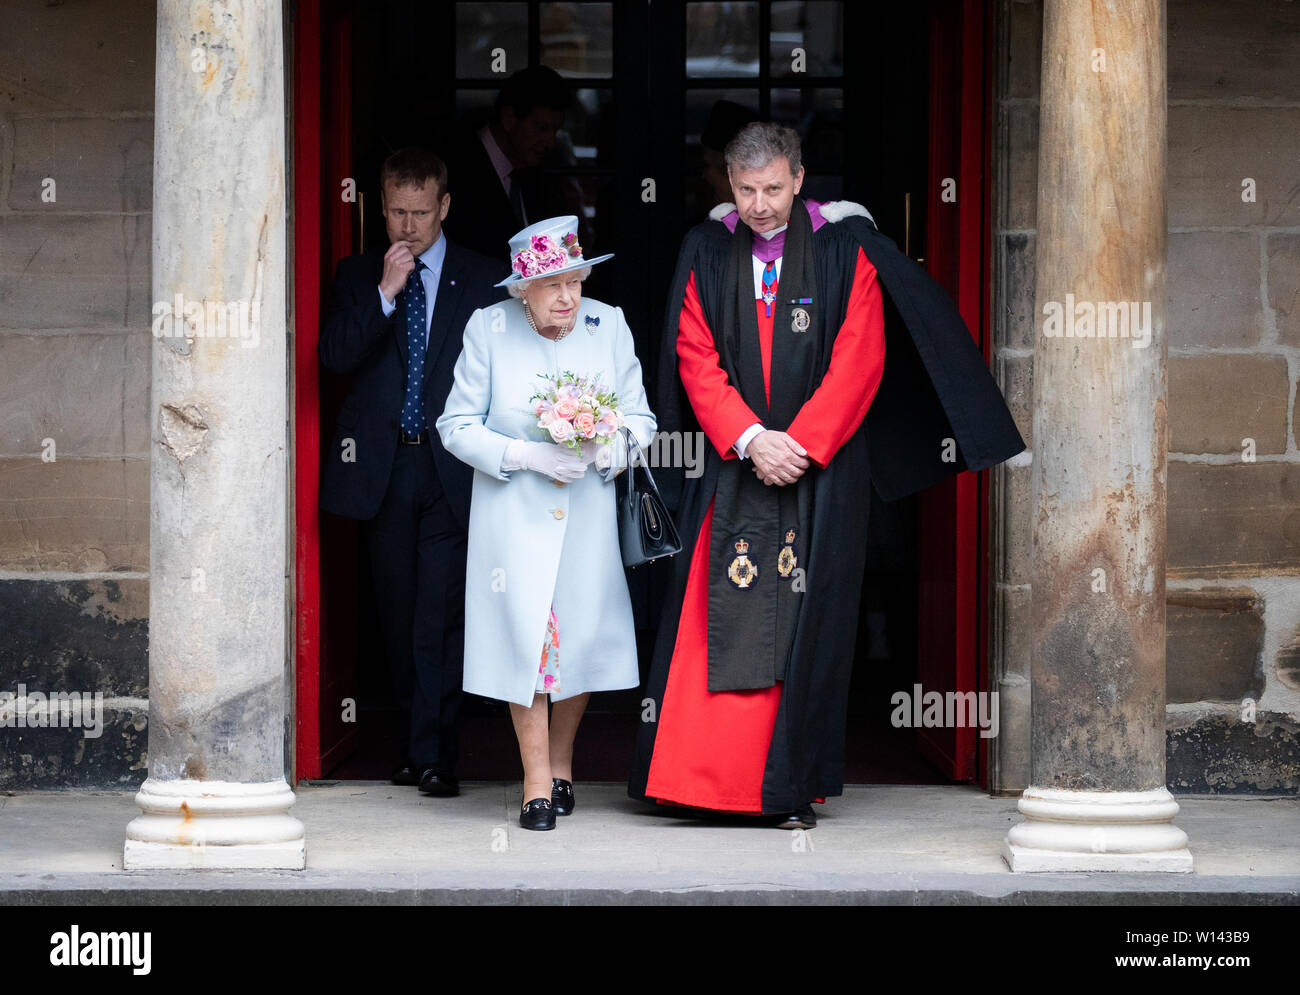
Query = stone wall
x=1233 y=611
x=76 y=179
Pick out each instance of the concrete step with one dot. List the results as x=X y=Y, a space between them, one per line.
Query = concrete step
x=372 y=843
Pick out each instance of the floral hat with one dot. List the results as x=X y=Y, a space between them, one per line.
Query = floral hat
x=548 y=247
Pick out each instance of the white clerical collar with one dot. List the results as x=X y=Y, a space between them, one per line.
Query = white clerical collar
x=769 y=235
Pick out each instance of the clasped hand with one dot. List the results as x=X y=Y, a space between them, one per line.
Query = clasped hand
x=777 y=458
x=556 y=461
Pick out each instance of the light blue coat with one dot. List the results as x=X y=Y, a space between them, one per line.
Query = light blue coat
x=533 y=543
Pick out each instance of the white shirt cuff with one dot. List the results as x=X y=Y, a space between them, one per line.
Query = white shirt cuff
x=746 y=437
x=388 y=306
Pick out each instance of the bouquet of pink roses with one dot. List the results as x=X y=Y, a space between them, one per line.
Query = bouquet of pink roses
x=573 y=410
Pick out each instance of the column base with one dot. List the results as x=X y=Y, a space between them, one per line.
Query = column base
x=1123 y=831
x=219 y=824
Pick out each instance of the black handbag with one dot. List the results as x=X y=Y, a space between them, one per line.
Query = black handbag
x=645 y=529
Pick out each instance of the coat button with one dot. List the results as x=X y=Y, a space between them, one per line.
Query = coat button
x=558 y=483
x=559 y=513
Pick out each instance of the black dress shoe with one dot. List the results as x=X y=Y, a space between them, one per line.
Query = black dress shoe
x=537 y=814
x=801 y=818
x=407 y=775
x=562 y=796
x=438 y=783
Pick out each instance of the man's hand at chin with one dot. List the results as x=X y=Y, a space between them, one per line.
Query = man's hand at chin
x=398 y=263
x=777 y=458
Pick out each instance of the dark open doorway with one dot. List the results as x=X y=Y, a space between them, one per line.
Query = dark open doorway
x=860 y=84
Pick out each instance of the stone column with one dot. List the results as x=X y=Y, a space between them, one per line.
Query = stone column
x=1097 y=798
x=216 y=794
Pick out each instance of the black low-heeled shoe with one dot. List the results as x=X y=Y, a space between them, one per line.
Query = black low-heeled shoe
x=537 y=814
x=801 y=818
x=562 y=796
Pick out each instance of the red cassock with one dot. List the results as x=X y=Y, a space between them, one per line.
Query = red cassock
x=711 y=747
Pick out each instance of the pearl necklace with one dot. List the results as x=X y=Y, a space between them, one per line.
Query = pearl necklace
x=528 y=313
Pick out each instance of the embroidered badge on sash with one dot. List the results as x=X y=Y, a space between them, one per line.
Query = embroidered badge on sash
x=786 y=560
x=800 y=320
x=742 y=571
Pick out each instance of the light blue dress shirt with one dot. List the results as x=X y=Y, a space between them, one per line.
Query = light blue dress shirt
x=433 y=258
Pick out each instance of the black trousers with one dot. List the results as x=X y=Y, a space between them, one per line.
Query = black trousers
x=417 y=559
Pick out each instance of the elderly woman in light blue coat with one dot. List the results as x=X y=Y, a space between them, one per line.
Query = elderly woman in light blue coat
x=543 y=557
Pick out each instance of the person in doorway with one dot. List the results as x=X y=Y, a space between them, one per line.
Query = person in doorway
x=499 y=183
x=548 y=619
x=726 y=118
x=777 y=347
x=394 y=325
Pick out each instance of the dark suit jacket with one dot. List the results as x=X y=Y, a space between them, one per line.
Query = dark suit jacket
x=481 y=216
x=357 y=339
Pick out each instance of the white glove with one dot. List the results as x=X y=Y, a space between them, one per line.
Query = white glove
x=600 y=454
x=547 y=458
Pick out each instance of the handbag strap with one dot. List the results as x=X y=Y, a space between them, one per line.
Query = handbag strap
x=630 y=445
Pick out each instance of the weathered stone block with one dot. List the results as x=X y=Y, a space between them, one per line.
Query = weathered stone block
x=1222 y=49
x=1288 y=661
x=74 y=515
x=1016 y=378
x=1233 y=521
x=1212 y=150
x=1013 y=742
x=76 y=635
x=1284 y=286
x=1014 y=553
x=1214 y=639
x=1015 y=299
x=89 y=393
x=1213 y=289
x=61 y=271
x=1020 y=206
x=1217 y=401
x=1222 y=755
x=67 y=758
x=77 y=57
x=1025 y=48
x=1012 y=629
x=97 y=164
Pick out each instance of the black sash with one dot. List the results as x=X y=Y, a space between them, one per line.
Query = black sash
x=756 y=561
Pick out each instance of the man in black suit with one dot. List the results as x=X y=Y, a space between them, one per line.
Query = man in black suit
x=395 y=325
x=496 y=176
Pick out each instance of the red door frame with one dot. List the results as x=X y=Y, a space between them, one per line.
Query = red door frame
x=322 y=228
x=306 y=124
x=318 y=169
x=958 y=245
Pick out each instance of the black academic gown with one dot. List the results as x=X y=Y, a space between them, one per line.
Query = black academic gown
x=937 y=412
